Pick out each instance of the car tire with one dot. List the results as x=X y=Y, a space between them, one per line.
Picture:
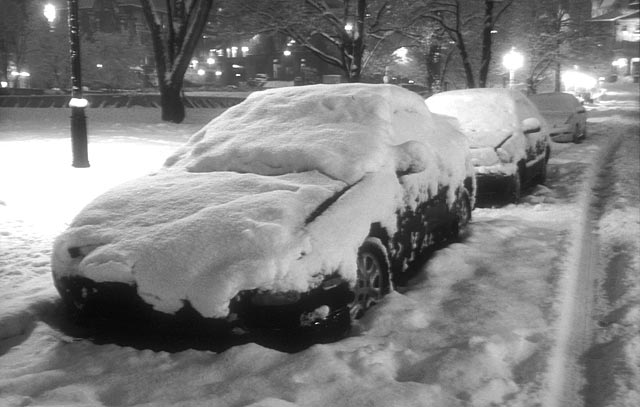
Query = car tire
x=462 y=214
x=576 y=134
x=515 y=187
x=372 y=281
x=542 y=178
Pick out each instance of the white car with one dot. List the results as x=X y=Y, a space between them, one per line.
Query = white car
x=508 y=136
x=296 y=209
x=566 y=116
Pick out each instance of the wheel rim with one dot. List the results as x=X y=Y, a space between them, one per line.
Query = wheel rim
x=516 y=188
x=369 y=289
x=463 y=215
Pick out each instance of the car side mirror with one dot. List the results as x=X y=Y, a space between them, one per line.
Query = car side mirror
x=531 y=125
x=411 y=157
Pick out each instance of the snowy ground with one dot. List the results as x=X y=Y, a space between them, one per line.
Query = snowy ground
x=538 y=305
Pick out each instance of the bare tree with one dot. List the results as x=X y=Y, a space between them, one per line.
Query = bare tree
x=556 y=36
x=336 y=32
x=174 y=41
x=16 y=21
x=463 y=21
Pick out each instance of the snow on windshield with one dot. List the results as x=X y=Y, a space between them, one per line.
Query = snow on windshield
x=485 y=116
x=343 y=131
x=554 y=102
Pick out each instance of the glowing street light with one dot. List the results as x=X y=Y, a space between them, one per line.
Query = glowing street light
x=50 y=12
x=513 y=61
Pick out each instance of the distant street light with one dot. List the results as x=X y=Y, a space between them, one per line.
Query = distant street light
x=50 y=12
x=513 y=61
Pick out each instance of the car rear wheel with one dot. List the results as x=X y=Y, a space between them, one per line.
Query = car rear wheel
x=515 y=187
x=373 y=276
x=576 y=134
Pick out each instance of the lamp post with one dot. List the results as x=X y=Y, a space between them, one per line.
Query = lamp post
x=513 y=61
x=77 y=102
x=50 y=14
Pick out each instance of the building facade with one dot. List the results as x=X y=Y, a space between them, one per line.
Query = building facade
x=619 y=22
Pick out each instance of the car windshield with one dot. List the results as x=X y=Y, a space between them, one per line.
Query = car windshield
x=554 y=102
x=342 y=131
x=485 y=117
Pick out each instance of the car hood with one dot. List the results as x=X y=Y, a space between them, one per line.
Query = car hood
x=204 y=237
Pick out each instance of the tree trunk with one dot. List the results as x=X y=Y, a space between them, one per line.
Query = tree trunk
x=558 y=78
x=466 y=63
x=172 y=104
x=486 y=44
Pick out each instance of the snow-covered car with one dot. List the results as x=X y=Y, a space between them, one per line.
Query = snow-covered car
x=295 y=209
x=509 y=138
x=565 y=115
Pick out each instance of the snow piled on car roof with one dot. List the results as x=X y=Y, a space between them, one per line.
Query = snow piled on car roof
x=555 y=102
x=486 y=116
x=343 y=131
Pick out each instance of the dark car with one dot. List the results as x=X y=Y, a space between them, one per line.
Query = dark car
x=296 y=209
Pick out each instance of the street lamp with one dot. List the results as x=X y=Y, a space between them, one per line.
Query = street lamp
x=50 y=13
x=77 y=102
x=513 y=61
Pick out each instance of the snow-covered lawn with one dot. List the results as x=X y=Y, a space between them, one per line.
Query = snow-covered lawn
x=480 y=326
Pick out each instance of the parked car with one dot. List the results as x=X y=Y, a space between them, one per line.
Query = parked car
x=258 y=81
x=296 y=209
x=509 y=138
x=566 y=116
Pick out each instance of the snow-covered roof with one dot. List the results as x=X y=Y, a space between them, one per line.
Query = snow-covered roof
x=555 y=102
x=343 y=131
x=485 y=115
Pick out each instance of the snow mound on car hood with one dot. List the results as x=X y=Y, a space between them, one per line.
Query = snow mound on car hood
x=343 y=131
x=485 y=116
x=201 y=237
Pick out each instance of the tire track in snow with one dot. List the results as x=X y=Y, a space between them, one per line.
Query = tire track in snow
x=574 y=328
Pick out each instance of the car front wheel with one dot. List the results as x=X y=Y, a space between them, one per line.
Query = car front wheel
x=515 y=187
x=373 y=276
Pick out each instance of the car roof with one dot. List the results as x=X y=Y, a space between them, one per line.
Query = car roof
x=551 y=101
x=341 y=130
